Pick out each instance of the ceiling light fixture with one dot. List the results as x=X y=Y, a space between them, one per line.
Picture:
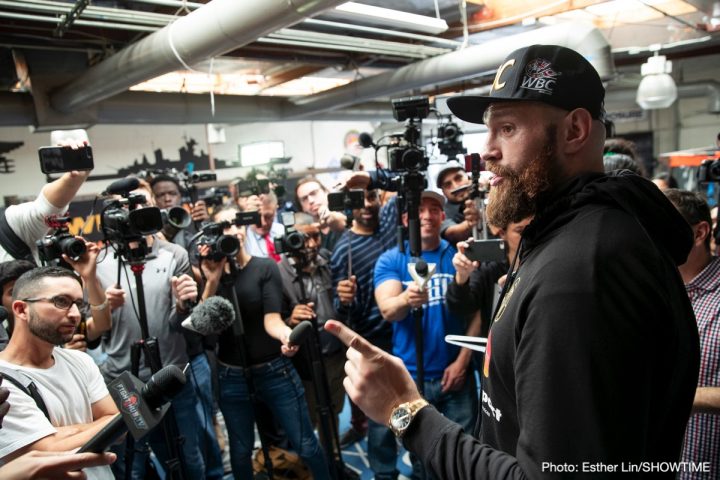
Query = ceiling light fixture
x=657 y=88
x=358 y=12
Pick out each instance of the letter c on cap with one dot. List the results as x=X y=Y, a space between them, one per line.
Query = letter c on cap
x=496 y=84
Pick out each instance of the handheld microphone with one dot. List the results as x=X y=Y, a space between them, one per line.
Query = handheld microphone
x=211 y=317
x=142 y=406
x=124 y=185
x=300 y=333
x=421 y=272
x=365 y=140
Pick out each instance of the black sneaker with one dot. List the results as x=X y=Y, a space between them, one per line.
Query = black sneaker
x=350 y=437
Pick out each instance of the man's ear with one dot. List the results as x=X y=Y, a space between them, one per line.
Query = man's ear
x=576 y=132
x=20 y=309
x=701 y=231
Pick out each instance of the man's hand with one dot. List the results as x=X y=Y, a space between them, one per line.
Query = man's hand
x=335 y=220
x=354 y=180
x=471 y=214
x=376 y=381
x=287 y=348
x=184 y=290
x=86 y=265
x=53 y=465
x=77 y=342
x=200 y=212
x=211 y=269
x=253 y=203
x=346 y=290
x=115 y=296
x=415 y=297
x=302 y=312
x=454 y=376
x=463 y=265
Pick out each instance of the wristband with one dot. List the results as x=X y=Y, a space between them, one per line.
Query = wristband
x=99 y=308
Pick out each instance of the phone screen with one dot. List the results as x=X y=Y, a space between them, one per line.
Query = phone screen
x=65 y=159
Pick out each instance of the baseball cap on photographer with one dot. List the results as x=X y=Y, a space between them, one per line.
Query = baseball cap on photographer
x=549 y=74
x=449 y=167
x=429 y=194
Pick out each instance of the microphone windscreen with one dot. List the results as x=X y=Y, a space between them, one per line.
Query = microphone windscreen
x=211 y=317
x=421 y=267
x=365 y=140
x=124 y=185
x=348 y=161
x=300 y=332
x=163 y=386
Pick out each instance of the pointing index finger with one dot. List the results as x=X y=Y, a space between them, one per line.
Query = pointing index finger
x=350 y=338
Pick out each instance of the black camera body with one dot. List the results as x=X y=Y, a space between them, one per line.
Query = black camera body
x=53 y=246
x=292 y=242
x=450 y=140
x=709 y=171
x=347 y=200
x=409 y=108
x=222 y=245
x=405 y=153
x=122 y=221
x=247 y=188
x=214 y=197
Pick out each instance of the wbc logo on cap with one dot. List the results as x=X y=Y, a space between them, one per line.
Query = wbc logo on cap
x=539 y=76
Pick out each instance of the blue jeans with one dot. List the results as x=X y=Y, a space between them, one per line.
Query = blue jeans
x=460 y=406
x=278 y=385
x=201 y=378
x=188 y=426
x=382 y=451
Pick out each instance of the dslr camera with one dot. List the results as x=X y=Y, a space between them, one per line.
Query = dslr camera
x=404 y=152
x=223 y=245
x=709 y=171
x=293 y=242
x=450 y=139
x=59 y=242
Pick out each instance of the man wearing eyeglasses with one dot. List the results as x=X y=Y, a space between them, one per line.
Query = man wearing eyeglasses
x=46 y=306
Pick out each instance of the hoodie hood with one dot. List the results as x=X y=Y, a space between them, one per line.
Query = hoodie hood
x=622 y=189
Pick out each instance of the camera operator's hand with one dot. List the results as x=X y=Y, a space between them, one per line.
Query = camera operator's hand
x=184 y=290
x=355 y=180
x=335 y=220
x=115 y=296
x=415 y=297
x=253 y=203
x=86 y=265
x=471 y=214
x=346 y=290
x=53 y=465
x=200 y=212
x=463 y=265
x=211 y=269
x=77 y=342
x=302 y=312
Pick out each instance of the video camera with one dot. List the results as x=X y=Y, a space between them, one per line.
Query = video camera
x=222 y=245
x=450 y=139
x=59 y=242
x=292 y=242
x=709 y=171
x=215 y=196
x=404 y=152
x=121 y=221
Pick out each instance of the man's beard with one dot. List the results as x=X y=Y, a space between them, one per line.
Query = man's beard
x=515 y=197
x=46 y=331
x=370 y=223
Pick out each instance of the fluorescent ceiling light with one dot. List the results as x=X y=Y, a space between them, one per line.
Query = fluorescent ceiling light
x=357 y=12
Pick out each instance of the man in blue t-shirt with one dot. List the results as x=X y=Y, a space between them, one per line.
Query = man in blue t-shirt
x=448 y=381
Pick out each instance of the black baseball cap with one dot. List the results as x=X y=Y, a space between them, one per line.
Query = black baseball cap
x=550 y=74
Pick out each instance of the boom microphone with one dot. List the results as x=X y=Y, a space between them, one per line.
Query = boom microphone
x=300 y=333
x=142 y=406
x=124 y=185
x=366 y=140
x=211 y=317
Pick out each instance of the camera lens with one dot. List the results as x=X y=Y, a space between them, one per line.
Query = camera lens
x=227 y=245
x=295 y=241
x=72 y=247
x=146 y=220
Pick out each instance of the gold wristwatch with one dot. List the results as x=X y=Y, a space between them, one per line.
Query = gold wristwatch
x=402 y=416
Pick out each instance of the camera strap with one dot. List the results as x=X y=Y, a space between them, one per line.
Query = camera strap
x=26 y=385
x=11 y=242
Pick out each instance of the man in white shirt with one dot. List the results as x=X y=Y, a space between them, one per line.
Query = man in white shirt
x=46 y=305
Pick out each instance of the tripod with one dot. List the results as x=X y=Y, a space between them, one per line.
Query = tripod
x=321 y=387
x=149 y=346
x=239 y=332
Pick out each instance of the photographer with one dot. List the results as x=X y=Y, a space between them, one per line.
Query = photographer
x=461 y=214
x=169 y=287
x=9 y=272
x=167 y=193
x=313 y=298
x=260 y=241
x=23 y=224
x=311 y=197
x=261 y=352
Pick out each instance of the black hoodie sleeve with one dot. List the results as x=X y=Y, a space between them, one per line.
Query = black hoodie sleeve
x=452 y=454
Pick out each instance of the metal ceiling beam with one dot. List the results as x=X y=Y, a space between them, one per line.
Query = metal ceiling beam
x=214 y=29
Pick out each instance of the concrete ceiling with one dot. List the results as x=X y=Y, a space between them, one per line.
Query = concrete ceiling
x=60 y=72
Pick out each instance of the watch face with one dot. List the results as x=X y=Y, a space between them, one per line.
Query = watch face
x=400 y=418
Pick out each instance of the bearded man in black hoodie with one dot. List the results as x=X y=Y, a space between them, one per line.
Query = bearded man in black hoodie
x=592 y=355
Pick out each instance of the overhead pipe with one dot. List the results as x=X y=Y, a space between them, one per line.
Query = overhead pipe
x=214 y=29
x=459 y=65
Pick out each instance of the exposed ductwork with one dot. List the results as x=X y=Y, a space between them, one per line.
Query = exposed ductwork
x=217 y=28
x=459 y=65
